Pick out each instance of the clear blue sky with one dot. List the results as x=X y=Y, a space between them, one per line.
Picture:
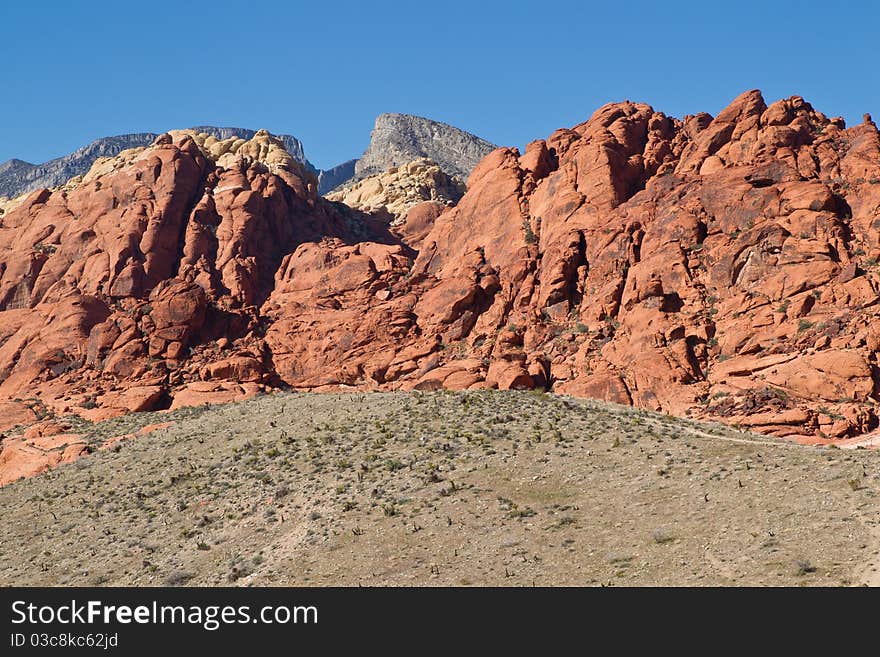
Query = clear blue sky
x=322 y=70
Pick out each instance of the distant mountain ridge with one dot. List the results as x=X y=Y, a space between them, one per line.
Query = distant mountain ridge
x=396 y=139
x=19 y=177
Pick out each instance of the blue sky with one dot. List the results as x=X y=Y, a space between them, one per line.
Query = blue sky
x=509 y=72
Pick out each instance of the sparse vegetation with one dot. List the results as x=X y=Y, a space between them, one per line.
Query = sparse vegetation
x=488 y=487
x=804 y=325
x=530 y=236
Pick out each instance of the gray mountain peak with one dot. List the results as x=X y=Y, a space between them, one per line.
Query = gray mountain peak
x=401 y=138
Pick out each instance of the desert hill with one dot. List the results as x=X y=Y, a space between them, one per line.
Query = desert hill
x=471 y=488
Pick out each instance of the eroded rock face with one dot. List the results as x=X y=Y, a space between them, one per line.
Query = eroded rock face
x=147 y=274
x=18 y=177
x=391 y=194
x=723 y=268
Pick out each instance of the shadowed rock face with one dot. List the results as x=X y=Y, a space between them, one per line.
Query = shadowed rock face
x=19 y=177
x=329 y=179
x=722 y=267
x=400 y=138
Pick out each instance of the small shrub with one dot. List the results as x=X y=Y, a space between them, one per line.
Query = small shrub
x=804 y=325
x=531 y=238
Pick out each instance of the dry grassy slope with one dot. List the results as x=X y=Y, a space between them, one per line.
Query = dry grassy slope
x=478 y=488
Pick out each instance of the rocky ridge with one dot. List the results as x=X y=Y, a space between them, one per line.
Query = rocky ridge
x=396 y=139
x=18 y=177
x=714 y=267
x=226 y=153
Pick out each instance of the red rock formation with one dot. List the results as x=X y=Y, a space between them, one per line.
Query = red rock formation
x=42 y=446
x=722 y=268
x=719 y=267
x=114 y=293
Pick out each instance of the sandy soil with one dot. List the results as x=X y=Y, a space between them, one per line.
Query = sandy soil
x=478 y=488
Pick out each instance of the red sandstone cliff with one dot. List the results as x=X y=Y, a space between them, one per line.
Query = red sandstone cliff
x=720 y=267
